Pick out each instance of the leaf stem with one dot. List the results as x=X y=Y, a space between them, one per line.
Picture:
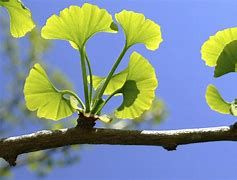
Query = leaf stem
x=107 y=100
x=100 y=94
x=90 y=74
x=84 y=76
x=74 y=95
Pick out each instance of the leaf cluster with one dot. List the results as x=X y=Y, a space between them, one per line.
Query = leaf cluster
x=137 y=83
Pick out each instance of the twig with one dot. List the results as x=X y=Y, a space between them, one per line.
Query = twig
x=11 y=147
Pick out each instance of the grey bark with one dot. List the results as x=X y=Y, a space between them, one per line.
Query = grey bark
x=11 y=147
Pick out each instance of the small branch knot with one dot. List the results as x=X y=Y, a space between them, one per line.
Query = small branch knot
x=85 y=122
x=170 y=147
x=11 y=160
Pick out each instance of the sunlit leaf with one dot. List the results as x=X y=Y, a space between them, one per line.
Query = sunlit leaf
x=139 y=89
x=116 y=82
x=74 y=103
x=138 y=29
x=214 y=46
x=20 y=17
x=215 y=101
x=77 y=24
x=220 y=51
x=41 y=95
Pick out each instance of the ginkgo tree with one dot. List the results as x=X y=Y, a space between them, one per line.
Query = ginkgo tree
x=137 y=83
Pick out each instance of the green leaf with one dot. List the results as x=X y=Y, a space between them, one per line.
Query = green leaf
x=116 y=82
x=20 y=17
x=220 y=51
x=215 y=101
x=139 y=89
x=138 y=29
x=74 y=103
x=77 y=24
x=41 y=95
x=227 y=60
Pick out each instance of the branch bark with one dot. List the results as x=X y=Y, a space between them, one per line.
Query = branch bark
x=11 y=147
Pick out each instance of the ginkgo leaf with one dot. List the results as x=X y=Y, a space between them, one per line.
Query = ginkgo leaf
x=115 y=83
x=215 y=101
x=20 y=17
x=219 y=51
x=138 y=29
x=77 y=24
x=41 y=95
x=74 y=103
x=227 y=60
x=139 y=89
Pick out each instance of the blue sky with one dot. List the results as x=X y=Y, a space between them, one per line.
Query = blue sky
x=183 y=78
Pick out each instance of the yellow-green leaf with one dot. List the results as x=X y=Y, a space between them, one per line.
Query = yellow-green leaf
x=138 y=29
x=215 y=46
x=139 y=89
x=41 y=95
x=77 y=24
x=74 y=103
x=215 y=101
x=20 y=17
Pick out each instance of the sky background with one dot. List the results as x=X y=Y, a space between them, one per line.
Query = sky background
x=183 y=78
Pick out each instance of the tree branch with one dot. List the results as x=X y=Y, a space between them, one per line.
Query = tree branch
x=11 y=147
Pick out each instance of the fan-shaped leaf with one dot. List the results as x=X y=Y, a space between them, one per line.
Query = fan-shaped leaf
x=227 y=60
x=215 y=101
x=77 y=24
x=74 y=103
x=220 y=51
x=139 y=89
x=213 y=47
x=138 y=29
x=41 y=95
x=20 y=17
